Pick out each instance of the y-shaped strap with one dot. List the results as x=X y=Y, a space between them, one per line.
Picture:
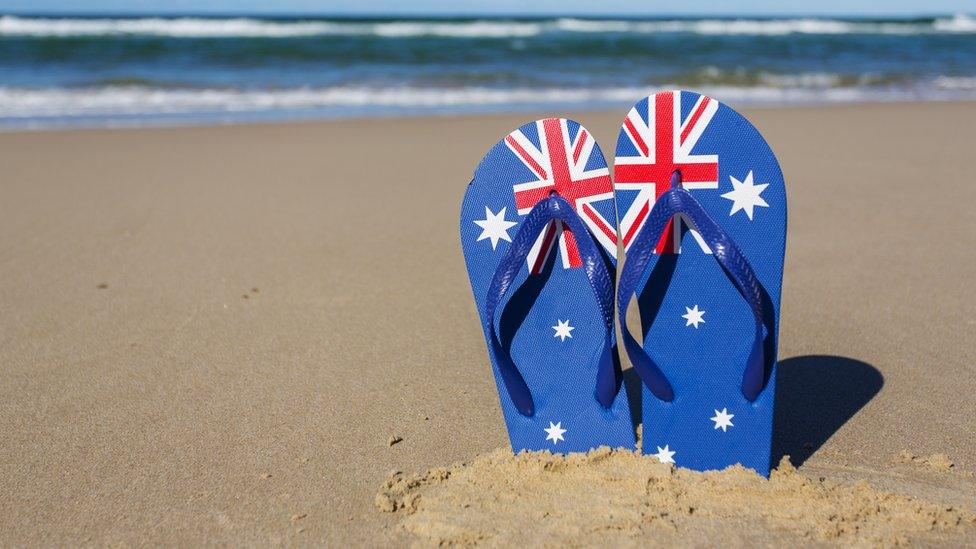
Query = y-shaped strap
x=677 y=200
x=545 y=211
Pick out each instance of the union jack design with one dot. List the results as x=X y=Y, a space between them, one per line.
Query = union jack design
x=559 y=165
x=663 y=142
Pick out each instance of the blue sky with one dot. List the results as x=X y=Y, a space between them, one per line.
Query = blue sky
x=514 y=7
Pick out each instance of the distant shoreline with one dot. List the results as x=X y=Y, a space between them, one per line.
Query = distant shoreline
x=526 y=114
x=918 y=16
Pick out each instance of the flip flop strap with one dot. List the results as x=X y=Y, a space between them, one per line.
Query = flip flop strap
x=678 y=200
x=545 y=211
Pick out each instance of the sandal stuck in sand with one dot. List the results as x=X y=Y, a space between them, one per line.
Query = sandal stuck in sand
x=703 y=221
x=538 y=229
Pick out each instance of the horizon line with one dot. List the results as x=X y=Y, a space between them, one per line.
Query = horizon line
x=473 y=15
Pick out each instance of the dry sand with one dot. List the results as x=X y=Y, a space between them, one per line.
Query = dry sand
x=214 y=335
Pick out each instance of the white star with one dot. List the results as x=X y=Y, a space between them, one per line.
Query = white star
x=745 y=195
x=723 y=419
x=693 y=316
x=664 y=455
x=555 y=432
x=562 y=329
x=495 y=227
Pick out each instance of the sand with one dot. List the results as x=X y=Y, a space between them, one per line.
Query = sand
x=212 y=335
x=621 y=498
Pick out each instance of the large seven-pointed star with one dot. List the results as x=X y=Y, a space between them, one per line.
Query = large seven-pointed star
x=745 y=195
x=495 y=227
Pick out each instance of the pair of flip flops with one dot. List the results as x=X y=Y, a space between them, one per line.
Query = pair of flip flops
x=702 y=209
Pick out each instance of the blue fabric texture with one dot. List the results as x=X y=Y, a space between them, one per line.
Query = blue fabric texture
x=542 y=214
x=679 y=201
x=706 y=276
x=538 y=232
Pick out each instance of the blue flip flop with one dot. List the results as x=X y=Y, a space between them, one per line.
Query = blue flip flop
x=539 y=234
x=703 y=222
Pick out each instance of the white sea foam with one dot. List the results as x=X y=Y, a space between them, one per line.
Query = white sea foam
x=963 y=83
x=473 y=29
x=189 y=27
x=155 y=26
x=115 y=101
x=961 y=23
x=802 y=80
x=123 y=100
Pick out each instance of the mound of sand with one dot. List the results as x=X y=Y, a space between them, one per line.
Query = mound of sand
x=622 y=498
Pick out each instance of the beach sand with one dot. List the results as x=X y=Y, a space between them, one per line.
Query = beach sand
x=216 y=335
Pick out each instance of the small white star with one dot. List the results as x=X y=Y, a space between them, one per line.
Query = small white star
x=555 y=432
x=745 y=195
x=664 y=455
x=494 y=227
x=723 y=419
x=562 y=329
x=694 y=317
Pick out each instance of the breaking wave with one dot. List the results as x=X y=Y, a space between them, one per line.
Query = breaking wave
x=129 y=101
x=240 y=27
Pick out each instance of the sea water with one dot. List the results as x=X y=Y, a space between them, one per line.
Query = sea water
x=106 y=71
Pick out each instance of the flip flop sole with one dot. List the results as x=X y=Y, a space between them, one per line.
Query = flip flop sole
x=550 y=322
x=697 y=327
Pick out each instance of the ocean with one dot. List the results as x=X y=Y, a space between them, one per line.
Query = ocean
x=111 y=71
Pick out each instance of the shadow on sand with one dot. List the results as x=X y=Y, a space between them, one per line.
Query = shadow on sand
x=815 y=396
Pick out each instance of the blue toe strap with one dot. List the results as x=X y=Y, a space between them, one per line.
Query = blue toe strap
x=677 y=200
x=544 y=212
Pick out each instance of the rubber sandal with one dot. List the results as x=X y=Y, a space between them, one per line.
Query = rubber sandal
x=703 y=224
x=538 y=230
